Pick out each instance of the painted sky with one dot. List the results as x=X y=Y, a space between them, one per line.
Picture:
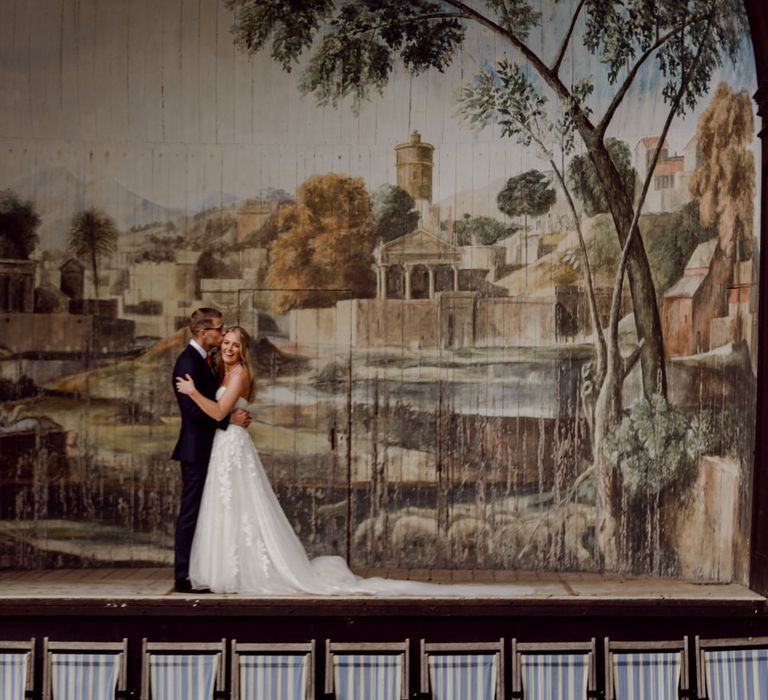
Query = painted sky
x=156 y=97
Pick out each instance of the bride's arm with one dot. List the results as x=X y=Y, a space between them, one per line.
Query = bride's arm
x=215 y=409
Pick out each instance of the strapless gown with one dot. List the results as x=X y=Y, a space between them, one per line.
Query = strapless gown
x=245 y=544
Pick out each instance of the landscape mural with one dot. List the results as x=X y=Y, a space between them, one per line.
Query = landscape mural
x=499 y=260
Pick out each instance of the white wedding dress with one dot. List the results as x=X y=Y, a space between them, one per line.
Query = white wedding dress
x=244 y=543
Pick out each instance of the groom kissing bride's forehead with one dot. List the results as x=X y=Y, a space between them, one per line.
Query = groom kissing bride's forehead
x=193 y=448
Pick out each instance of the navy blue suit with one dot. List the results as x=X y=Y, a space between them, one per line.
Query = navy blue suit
x=193 y=450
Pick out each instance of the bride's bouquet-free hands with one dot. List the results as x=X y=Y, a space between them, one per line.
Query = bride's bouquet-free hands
x=185 y=385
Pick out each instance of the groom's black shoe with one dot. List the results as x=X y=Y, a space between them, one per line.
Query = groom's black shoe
x=184 y=585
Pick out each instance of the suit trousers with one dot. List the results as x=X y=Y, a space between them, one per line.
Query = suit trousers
x=193 y=480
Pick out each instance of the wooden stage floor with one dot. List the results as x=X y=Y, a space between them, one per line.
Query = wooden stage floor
x=154 y=586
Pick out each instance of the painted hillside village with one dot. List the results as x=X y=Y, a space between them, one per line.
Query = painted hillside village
x=421 y=388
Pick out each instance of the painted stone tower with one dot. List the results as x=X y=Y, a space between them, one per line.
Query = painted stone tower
x=414 y=168
x=414 y=161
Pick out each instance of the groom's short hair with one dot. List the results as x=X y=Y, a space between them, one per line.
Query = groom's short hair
x=201 y=319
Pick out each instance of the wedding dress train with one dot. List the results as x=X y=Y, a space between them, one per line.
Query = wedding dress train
x=245 y=544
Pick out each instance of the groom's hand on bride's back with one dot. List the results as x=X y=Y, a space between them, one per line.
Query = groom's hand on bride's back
x=240 y=417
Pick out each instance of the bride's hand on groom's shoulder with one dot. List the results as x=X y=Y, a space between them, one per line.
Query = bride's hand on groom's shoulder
x=185 y=385
x=240 y=417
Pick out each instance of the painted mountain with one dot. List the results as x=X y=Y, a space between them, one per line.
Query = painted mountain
x=58 y=194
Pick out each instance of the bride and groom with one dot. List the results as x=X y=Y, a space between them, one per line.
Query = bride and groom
x=232 y=535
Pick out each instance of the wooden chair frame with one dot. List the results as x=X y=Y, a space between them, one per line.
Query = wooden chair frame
x=680 y=645
x=393 y=648
x=521 y=648
x=298 y=649
x=426 y=648
x=181 y=648
x=702 y=645
x=118 y=648
x=26 y=647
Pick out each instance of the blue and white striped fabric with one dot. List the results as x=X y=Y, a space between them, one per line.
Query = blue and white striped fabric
x=84 y=676
x=555 y=676
x=274 y=677
x=183 y=676
x=368 y=676
x=737 y=674
x=646 y=676
x=13 y=675
x=463 y=676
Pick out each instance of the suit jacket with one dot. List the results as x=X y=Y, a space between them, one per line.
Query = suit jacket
x=197 y=428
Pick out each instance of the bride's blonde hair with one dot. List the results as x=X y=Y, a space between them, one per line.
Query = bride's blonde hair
x=245 y=356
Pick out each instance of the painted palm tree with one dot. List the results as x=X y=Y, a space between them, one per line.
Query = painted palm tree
x=92 y=235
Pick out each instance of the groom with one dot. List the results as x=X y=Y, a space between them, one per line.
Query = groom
x=193 y=449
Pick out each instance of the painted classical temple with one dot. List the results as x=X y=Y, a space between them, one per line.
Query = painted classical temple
x=417 y=265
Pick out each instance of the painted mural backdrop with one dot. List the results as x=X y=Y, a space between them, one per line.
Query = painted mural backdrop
x=499 y=260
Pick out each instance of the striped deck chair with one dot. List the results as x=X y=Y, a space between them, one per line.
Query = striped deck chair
x=732 y=669
x=182 y=671
x=273 y=671
x=84 y=670
x=646 y=670
x=366 y=670
x=554 y=671
x=462 y=671
x=17 y=669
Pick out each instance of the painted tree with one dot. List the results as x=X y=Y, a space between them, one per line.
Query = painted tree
x=325 y=243
x=508 y=96
x=18 y=226
x=211 y=265
x=393 y=213
x=92 y=236
x=724 y=179
x=480 y=230
x=585 y=184
x=527 y=194
x=687 y=39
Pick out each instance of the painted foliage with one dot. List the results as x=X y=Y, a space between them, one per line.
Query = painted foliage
x=499 y=259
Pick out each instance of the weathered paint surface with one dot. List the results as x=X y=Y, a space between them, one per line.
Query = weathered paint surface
x=440 y=424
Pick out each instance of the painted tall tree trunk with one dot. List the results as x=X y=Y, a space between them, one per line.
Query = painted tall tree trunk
x=94 y=268
x=608 y=406
x=646 y=309
x=607 y=417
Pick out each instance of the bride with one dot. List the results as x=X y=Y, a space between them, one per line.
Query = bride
x=243 y=541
